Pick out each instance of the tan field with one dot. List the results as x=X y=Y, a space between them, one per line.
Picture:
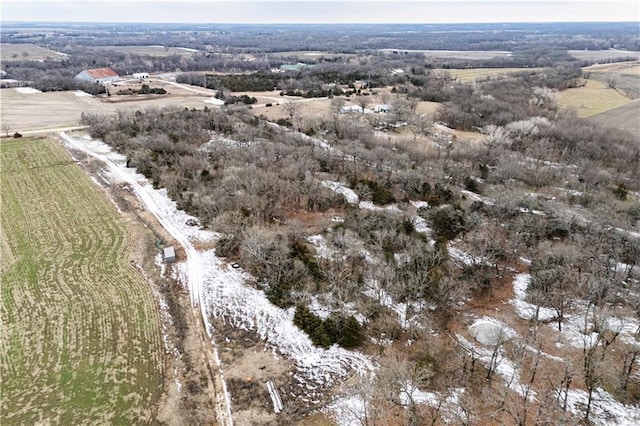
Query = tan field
x=470 y=75
x=158 y=51
x=594 y=98
x=603 y=55
x=31 y=52
x=37 y=111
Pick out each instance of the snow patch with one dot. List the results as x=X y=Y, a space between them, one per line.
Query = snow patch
x=214 y=101
x=228 y=298
x=420 y=225
x=27 y=90
x=475 y=197
x=419 y=204
x=606 y=411
x=81 y=94
x=368 y=205
x=349 y=194
x=320 y=244
x=524 y=309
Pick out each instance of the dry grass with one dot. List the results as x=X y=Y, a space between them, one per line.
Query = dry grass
x=34 y=111
x=594 y=98
x=81 y=330
x=471 y=75
x=31 y=52
x=625 y=68
x=624 y=117
x=456 y=54
x=603 y=55
x=157 y=51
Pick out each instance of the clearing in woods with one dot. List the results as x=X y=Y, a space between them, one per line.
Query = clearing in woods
x=591 y=99
x=472 y=74
x=81 y=340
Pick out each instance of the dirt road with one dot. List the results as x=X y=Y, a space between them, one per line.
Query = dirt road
x=194 y=265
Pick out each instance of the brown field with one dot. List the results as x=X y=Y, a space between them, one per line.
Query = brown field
x=158 y=51
x=624 y=117
x=456 y=54
x=603 y=55
x=594 y=98
x=53 y=109
x=20 y=52
x=470 y=75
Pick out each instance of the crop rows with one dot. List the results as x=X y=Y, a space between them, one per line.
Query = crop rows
x=81 y=337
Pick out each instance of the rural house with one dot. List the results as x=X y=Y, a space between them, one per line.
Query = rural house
x=98 y=75
x=169 y=254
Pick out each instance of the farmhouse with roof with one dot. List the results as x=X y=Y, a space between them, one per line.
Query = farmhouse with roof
x=98 y=75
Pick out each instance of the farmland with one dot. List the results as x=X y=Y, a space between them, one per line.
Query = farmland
x=594 y=98
x=154 y=51
x=19 y=52
x=81 y=330
x=471 y=74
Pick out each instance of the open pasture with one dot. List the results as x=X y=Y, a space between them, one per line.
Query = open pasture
x=591 y=99
x=81 y=340
x=603 y=55
x=157 y=51
x=624 y=76
x=472 y=74
x=35 y=110
x=624 y=117
x=455 y=54
x=29 y=52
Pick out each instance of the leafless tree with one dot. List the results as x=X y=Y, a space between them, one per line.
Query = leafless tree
x=399 y=382
x=6 y=127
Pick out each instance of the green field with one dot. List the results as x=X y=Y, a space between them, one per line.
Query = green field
x=81 y=340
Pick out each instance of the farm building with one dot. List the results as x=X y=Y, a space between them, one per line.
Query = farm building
x=140 y=75
x=98 y=75
x=169 y=254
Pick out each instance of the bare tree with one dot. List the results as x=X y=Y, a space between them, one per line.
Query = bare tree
x=399 y=382
x=7 y=127
x=291 y=108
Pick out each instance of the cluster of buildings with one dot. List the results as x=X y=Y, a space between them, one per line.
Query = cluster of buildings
x=105 y=76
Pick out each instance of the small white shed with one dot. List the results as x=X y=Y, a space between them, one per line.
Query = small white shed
x=169 y=254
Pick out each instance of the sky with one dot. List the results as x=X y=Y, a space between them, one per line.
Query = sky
x=320 y=11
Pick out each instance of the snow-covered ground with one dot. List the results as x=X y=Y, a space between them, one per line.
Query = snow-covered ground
x=214 y=101
x=524 y=309
x=606 y=411
x=221 y=291
x=81 y=94
x=476 y=197
x=27 y=90
x=408 y=312
x=502 y=365
x=349 y=194
x=368 y=205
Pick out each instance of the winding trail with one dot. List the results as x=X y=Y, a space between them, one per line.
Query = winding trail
x=195 y=277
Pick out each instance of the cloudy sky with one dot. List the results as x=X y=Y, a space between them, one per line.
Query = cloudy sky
x=320 y=11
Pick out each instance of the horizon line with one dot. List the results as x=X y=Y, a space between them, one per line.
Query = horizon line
x=317 y=23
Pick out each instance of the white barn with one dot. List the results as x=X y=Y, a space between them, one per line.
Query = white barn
x=98 y=75
x=140 y=75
